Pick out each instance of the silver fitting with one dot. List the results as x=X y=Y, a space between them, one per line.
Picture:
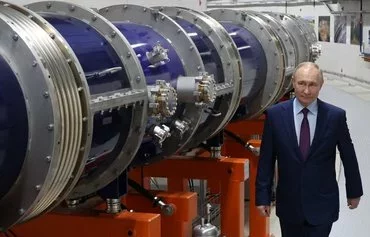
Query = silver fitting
x=254 y=150
x=315 y=51
x=162 y=99
x=113 y=206
x=166 y=209
x=181 y=127
x=200 y=90
x=158 y=56
x=72 y=203
x=161 y=132
x=215 y=152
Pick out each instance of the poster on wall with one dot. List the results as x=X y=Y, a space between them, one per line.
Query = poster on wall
x=355 y=30
x=340 y=29
x=324 y=28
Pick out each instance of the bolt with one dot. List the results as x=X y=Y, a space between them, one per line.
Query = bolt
x=46 y=94
x=162 y=18
x=191 y=48
x=130 y=233
x=144 y=9
x=48 y=159
x=138 y=78
x=94 y=18
x=51 y=127
x=72 y=8
x=15 y=37
x=21 y=211
x=48 y=5
x=128 y=54
x=52 y=35
x=34 y=64
x=178 y=31
x=38 y=187
x=84 y=119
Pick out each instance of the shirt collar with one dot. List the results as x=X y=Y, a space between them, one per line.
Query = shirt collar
x=313 y=107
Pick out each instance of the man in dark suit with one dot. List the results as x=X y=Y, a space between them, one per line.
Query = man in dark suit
x=302 y=135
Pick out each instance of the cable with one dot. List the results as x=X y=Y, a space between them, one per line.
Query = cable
x=235 y=137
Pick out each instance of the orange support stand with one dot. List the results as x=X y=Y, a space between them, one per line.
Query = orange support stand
x=226 y=173
x=180 y=223
x=258 y=226
x=72 y=225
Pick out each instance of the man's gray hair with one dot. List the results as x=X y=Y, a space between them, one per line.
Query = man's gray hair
x=309 y=64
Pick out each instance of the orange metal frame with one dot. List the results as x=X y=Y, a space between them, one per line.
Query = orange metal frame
x=258 y=226
x=225 y=176
x=62 y=225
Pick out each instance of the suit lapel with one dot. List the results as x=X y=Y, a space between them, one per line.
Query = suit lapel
x=321 y=122
x=288 y=116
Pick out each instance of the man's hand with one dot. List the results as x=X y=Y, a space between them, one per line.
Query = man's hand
x=264 y=210
x=353 y=202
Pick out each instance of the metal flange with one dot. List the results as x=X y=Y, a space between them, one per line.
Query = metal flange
x=301 y=42
x=58 y=114
x=106 y=173
x=274 y=55
x=185 y=49
x=289 y=50
x=228 y=88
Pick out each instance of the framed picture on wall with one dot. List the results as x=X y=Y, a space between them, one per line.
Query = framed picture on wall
x=324 y=28
x=355 y=30
x=340 y=29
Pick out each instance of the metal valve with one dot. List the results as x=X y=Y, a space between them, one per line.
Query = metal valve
x=158 y=56
x=200 y=90
x=161 y=132
x=181 y=127
x=206 y=89
x=162 y=99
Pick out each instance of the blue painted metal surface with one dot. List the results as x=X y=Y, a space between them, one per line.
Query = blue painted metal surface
x=94 y=53
x=211 y=59
x=143 y=39
x=254 y=64
x=253 y=59
x=13 y=127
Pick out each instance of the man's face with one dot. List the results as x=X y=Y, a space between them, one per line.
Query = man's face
x=307 y=85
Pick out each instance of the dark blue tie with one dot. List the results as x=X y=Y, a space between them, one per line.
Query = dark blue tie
x=304 y=139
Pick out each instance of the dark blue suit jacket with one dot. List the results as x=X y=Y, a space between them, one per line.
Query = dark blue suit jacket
x=307 y=190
